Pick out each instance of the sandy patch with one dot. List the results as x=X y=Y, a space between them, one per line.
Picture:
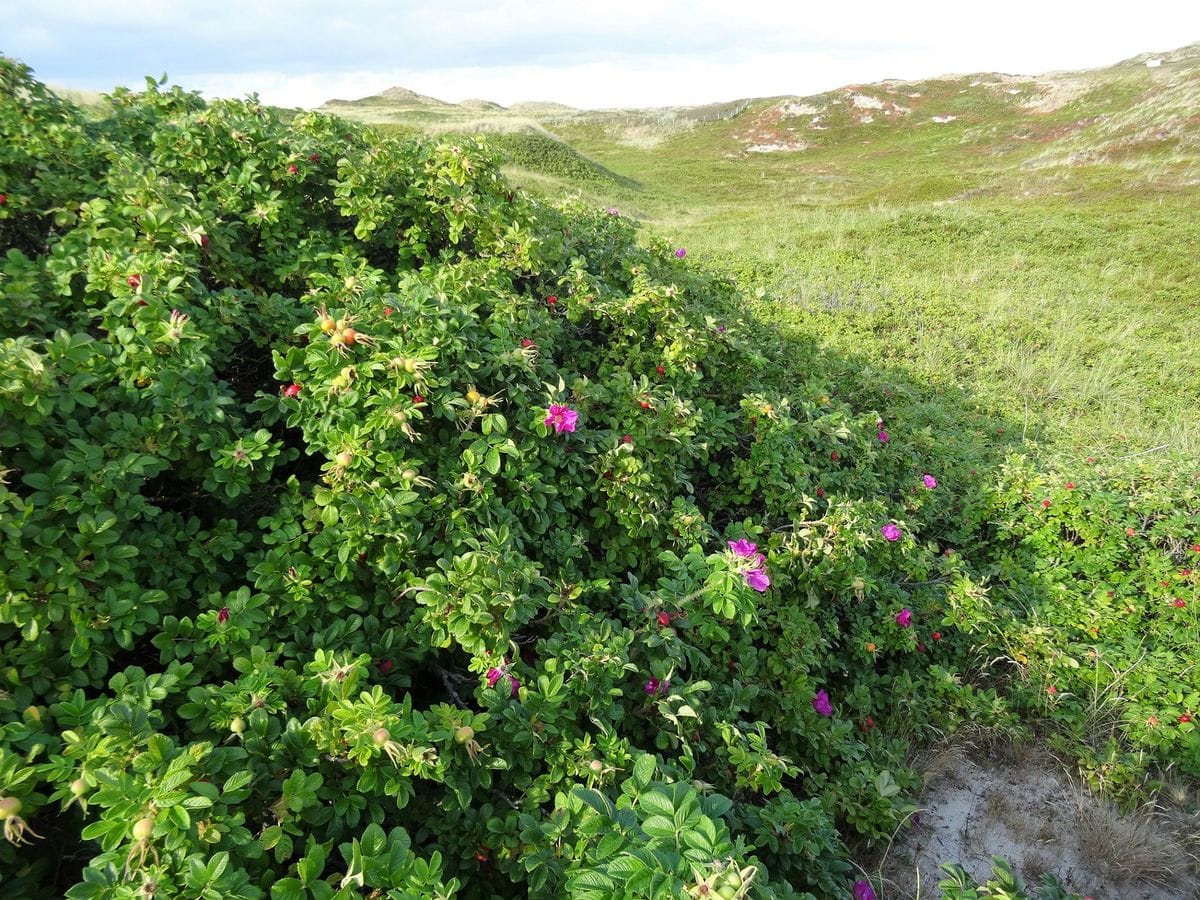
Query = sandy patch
x=1055 y=95
x=793 y=110
x=1030 y=813
x=865 y=101
x=779 y=147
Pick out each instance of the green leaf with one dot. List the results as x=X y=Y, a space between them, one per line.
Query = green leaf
x=653 y=803
x=288 y=889
x=492 y=461
x=236 y=782
x=659 y=827
x=596 y=800
x=717 y=805
x=643 y=770
x=590 y=878
x=626 y=865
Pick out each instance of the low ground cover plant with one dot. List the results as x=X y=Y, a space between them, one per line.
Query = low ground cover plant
x=369 y=527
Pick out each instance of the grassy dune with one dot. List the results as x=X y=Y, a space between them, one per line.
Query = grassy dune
x=1041 y=256
x=1025 y=239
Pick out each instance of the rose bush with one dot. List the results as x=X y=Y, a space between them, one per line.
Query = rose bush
x=370 y=526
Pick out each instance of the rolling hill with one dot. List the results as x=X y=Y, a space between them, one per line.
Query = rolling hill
x=1028 y=238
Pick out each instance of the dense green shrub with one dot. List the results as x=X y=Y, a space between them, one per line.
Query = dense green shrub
x=369 y=526
x=1093 y=600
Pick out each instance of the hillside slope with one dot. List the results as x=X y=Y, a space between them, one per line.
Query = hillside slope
x=1143 y=109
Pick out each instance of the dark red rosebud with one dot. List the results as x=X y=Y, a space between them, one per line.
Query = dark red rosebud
x=820 y=492
x=293 y=169
x=204 y=241
x=385 y=666
x=141 y=302
x=835 y=456
x=552 y=300
x=661 y=370
x=937 y=635
x=223 y=615
x=292 y=390
x=1185 y=718
x=417 y=398
x=134 y=281
x=387 y=311
x=314 y=157
x=663 y=619
x=526 y=342
x=3 y=199
x=644 y=404
x=626 y=439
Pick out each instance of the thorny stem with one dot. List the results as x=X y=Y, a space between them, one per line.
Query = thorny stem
x=445 y=676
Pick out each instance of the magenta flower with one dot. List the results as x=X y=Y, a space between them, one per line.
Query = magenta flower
x=561 y=418
x=493 y=675
x=891 y=531
x=515 y=684
x=743 y=548
x=757 y=579
x=821 y=703
x=904 y=617
x=680 y=253
x=721 y=329
x=930 y=481
x=613 y=211
x=654 y=686
x=883 y=436
x=222 y=615
x=863 y=890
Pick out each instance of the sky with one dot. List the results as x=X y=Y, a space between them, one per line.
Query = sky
x=587 y=54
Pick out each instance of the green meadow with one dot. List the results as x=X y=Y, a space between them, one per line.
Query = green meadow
x=1041 y=261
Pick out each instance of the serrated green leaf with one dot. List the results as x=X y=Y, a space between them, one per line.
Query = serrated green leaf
x=653 y=803
x=659 y=827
